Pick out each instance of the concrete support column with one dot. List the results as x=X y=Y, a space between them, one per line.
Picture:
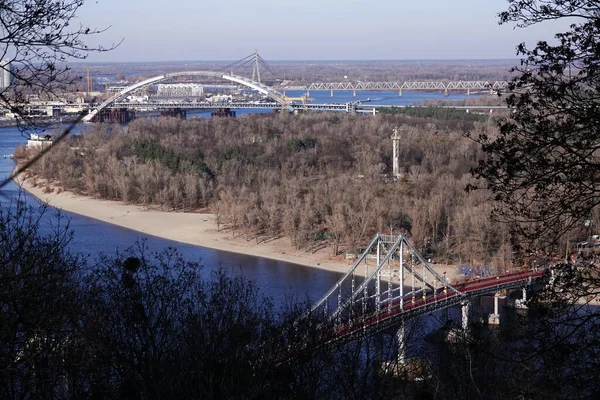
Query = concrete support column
x=468 y=92
x=466 y=311
x=445 y=92
x=331 y=92
x=400 y=92
x=494 y=319
x=496 y=308
x=401 y=335
x=307 y=93
x=354 y=93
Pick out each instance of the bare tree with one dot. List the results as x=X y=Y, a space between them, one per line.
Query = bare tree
x=37 y=38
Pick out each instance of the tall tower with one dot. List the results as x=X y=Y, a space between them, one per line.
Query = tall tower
x=256 y=69
x=6 y=76
x=396 y=153
x=89 y=82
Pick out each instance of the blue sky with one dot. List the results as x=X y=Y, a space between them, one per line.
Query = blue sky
x=159 y=30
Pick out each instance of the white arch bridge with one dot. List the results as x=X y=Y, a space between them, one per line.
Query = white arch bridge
x=264 y=89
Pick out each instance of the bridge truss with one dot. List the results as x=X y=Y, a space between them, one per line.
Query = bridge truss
x=424 y=85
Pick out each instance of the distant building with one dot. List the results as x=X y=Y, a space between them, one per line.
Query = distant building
x=179 y=90
x=219 y=98
x=115 y=89
x=6 y=76
x=137 y=99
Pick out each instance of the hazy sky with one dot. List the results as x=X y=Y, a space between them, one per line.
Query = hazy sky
x=157 y=30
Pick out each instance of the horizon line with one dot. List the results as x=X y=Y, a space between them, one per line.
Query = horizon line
x=298 y=60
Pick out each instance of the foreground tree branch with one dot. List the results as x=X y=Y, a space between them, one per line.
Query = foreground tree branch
x=544 y=166
x=37 y=38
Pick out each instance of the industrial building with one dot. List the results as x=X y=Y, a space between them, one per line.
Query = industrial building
x=179 y=90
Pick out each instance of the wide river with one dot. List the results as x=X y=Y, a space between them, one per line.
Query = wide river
x=277 y=279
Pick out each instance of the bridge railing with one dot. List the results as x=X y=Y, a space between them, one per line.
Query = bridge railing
x=402 y=311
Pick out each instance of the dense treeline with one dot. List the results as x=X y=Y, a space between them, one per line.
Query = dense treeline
x=435 y=113
x=319 y=179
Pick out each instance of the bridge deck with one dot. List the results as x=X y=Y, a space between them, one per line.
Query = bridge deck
x=411 y=307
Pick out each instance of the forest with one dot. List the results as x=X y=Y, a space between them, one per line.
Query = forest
x=322 y=180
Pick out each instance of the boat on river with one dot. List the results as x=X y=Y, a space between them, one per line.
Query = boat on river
x=36 y=141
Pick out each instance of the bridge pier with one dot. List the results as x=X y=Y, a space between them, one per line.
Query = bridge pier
x=494 y=319
x=401 y=335
x=468 y=92
x=307 y=93
x=400 y=92
x=331 y=92
x=353 y=92
x=466 y=313
x=446 y=92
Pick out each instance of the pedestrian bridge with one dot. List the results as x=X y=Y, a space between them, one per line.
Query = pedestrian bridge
x=391 y=283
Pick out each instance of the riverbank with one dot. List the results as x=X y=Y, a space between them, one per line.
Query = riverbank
x=190 y=228
x=198 y=229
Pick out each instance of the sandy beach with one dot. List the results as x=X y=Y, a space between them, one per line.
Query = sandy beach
x=191 y=228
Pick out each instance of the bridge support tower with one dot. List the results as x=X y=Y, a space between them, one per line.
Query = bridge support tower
x=494 y=319
x=446 y=92
x=468 y=92
x=466 y=313
x=400 y=92
x=401 y=335
x=331 y=93
x=353 y=92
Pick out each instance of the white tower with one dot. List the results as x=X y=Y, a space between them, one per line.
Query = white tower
x=396 y=153
x=5 y=74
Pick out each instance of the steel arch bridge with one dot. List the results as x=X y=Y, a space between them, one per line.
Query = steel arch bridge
x=264 y=89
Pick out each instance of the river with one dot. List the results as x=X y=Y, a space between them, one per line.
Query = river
x=277 y=279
